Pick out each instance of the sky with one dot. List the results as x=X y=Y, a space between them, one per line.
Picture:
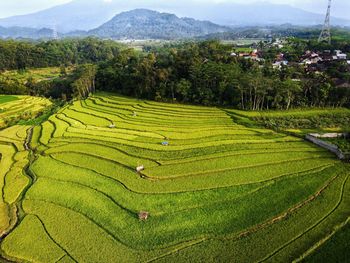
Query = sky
x=341 y=8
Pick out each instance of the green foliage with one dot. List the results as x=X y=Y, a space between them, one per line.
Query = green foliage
x=206 y=73
x=342 y=143
x=17 y=55
x=303 y=118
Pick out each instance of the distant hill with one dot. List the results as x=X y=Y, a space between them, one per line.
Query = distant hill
x=25 y=32
x=148 y=24
x=89 y=14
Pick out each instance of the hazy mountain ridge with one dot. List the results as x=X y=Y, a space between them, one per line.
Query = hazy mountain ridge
x=148 y=24
x=25 y=32
x=89 y=14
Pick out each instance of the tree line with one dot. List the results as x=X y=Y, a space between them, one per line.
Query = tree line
x=203 y=73
x=20 y=55
x=78 y=84
x=206 y=73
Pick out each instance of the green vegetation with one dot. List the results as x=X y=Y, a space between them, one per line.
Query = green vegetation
x=342 y=143
x=13 y=159
x=204 y=73
x=300 y=121
x=334 y=248
x=216 y=192
x=5 y=99
x=35 y=74
x=22 y=55
x=207 y=73
x=22 y=108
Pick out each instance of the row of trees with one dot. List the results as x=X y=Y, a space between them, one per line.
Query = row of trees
x=80 y=83
x=206 y=73
x=19 y=55
x=201 y=73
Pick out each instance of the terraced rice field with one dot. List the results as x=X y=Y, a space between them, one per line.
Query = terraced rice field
x=13 y=160
x=20 y=107
x=218 y=192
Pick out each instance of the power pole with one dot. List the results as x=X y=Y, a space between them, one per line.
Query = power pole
x=325 y=35
x=54 y=31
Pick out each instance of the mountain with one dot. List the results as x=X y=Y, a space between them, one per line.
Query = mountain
x=148 y=24
x=76 y=15
x=25 y=32
x=89 y=14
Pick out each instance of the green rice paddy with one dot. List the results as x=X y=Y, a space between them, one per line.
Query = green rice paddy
x=15 y=108
x=7 y=98
x=215 y=190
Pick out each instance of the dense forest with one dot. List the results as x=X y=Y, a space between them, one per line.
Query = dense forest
x=20 y=55
x=195 y=72
x=206 y=73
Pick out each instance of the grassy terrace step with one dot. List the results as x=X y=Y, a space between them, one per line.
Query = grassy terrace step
x=194 y=137
x=145 y=111
x=230 y=164
x=134 y=182
x=200 y=152
x=281 y=233
x=159 y=147
x=217 y=192
x=7 y=98
x=221 y=217
x=19 y=105
x=148 y=122
x=44 y=248
x=13 y=180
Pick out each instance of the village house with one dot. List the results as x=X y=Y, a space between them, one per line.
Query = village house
x=254 y=55
x=278 y=43
x=280 y=61
x=326 y=55
x=340 y=55
x=310 y=58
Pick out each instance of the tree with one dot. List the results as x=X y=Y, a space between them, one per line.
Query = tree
x=84 y=81
x=183 y=89
x=290 y=89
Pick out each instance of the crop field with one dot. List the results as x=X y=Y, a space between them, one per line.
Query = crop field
x=7 y=98
x=37 y=74
x=208 y=189
x=14 y=108
x=13 y=159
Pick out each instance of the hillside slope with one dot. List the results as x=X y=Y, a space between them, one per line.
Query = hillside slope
x=143 y=24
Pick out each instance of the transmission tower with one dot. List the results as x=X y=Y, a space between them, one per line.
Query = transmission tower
x=325 y=35
x=54 y=32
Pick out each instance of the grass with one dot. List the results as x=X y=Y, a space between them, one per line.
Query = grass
x=13 y=181
x=22 y=110
x=221 y=188
x=32 y=233
x=37 y=74
x=320 y=119
x=7 y=98
x=335 y=249
x=342 y=143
